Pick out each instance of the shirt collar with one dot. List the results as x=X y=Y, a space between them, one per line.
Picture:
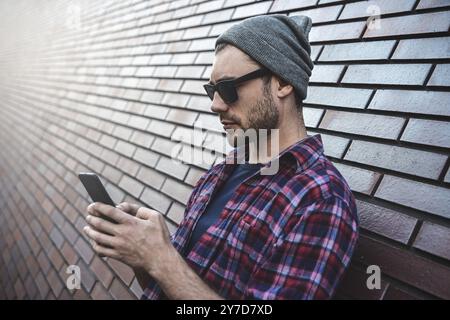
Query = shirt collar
x=302 y=153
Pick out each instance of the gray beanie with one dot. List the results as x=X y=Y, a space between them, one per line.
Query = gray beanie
x=278 y=42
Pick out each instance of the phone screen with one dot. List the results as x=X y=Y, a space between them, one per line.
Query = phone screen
x=96 y=190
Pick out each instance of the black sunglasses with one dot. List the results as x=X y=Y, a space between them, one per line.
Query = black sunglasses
x=227 y=88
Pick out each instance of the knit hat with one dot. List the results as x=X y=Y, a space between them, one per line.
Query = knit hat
x=278 y=42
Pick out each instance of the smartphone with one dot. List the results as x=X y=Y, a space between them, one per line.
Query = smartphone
x=96 y=190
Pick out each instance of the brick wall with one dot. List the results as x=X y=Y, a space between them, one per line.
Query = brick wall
x=113 y=86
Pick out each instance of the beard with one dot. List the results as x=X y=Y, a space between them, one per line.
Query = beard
x=262 y=115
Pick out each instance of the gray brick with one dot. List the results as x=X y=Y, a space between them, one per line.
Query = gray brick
x=315 y=50
x=169 y=85
x=216 y=142
x=145 y=71
x=342 y=31
x=183 y=58
x=359 y=180
x=217 y=29
x=197 y=32
x=161 y=128
x=205 y=58
x=142 y=139
x=326 y=73
x=164 y=146
x=209 y=6
x=323 y=14
x=202 y=44
x=429 y=132
x=156 y=200
x=167 y=72
x=400 y=74
x=125 y=148
x=176 y=212
x=210 y=122
x=122 y=132
x=333 y=146
x=190 y=21
x=172 y=36
x=432 y=199
x=232 y=3
x=116 y=194
x=425 y=4
x=146 y=157
x=172 y=168
x=386 y=222
x=185 y=117
x=138 y=122
x=440 y=76
x=197 y=157
x=199 y=103
x=107 y=141
x=364 y=8
x=152 y=96
x=364 y=124
x=131 y=186
x=193 y=176
x=188 y=135
x=252 y=10
x=193 y=86
x=157 y=112
x=413 y=24
x=426 y=48
x=84 y=249
x=312 y=116
x=127 y=165
x=160 y=59
x=150 y=177
x=281 y=5
x=176 y=190
x=190 y=72
x=411 y=161
x=168 y=25
x=175 y=99
x=373 y=50
x=218 y=16
x=339 y=97
x=424 y=102
x=183 y=11
x=434 y=239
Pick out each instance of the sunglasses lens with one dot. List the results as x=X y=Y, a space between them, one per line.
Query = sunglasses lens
x=209 y=90
x=227 y=92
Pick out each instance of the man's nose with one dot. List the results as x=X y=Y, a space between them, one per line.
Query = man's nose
x=218 y=105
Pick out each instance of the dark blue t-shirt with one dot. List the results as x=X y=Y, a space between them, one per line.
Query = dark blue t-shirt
x=216 y=205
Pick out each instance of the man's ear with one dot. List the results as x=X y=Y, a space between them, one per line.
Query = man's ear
x=283 y=88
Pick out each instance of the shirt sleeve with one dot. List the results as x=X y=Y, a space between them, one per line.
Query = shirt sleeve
x=310 y=259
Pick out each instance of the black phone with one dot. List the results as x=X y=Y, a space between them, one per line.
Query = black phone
x=96 y=190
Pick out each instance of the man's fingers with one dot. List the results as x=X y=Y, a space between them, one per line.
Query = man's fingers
x=99 y=237
x=111 y=212
x=102 y=225
x=91 y=210
x=129 y=208
x=104 y=251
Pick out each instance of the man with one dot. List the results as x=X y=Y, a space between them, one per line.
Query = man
x=288 y=235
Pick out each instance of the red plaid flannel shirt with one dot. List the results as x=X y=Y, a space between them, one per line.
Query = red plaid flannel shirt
x=290 y=235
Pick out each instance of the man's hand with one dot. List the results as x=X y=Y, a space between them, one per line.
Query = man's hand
x=141 y=238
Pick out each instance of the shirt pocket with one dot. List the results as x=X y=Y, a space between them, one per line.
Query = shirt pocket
x=250 y=241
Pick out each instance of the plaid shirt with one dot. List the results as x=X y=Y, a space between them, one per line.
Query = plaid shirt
x=284 y=236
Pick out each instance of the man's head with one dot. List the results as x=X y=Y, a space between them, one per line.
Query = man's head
x=278 y=46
